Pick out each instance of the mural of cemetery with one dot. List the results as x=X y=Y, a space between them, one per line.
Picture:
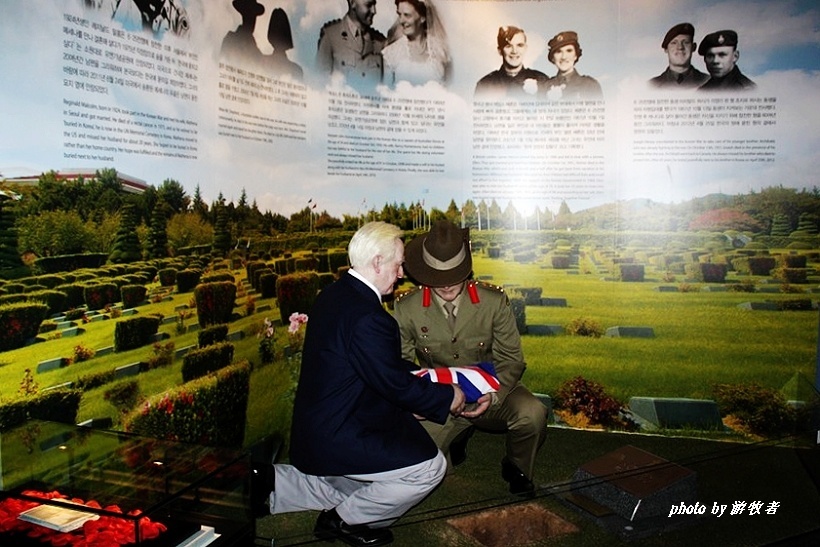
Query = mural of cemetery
x=628 y=314
x=187 y=324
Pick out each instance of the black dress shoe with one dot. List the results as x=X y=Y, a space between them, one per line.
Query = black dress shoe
x=520 y=484
x=330 y=527
x=458 y=448
x=263 y=477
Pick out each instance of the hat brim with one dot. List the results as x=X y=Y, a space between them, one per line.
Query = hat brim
x=423 y=274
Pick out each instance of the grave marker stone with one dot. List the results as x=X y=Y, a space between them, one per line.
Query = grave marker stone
x=635 y=484
x=672 y=412
x=630 y=332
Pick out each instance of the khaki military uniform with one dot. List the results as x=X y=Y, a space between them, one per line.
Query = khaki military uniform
x=357 y=53
x=483 y=331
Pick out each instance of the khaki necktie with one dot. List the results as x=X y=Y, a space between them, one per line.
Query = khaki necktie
x=451 y=316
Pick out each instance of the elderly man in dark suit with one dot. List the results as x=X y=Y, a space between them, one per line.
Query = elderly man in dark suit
x=358 y=451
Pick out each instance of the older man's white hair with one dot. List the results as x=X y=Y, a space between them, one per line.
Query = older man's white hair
x=371 y=240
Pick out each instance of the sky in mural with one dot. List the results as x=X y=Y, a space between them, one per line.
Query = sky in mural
x=779 y=44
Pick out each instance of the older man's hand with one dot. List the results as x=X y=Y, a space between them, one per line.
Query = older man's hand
x=457 y=406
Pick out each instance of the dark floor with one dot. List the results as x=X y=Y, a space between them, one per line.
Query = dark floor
x=601 y=488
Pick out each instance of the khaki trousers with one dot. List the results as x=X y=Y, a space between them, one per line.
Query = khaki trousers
x=520 y=415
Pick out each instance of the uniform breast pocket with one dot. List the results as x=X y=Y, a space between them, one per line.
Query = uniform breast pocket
x=431 y=354
x=477 y=349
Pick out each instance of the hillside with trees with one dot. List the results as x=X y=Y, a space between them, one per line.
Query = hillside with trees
x=57 y=217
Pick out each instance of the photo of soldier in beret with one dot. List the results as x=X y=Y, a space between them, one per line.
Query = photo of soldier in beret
x=679 y=45
x=720 y=53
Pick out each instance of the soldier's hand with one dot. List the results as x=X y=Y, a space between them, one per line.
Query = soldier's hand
x=480 y=407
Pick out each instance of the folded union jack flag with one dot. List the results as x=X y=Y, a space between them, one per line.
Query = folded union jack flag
x=474 y=380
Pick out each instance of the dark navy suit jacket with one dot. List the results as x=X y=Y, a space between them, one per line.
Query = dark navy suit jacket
x=354 y=405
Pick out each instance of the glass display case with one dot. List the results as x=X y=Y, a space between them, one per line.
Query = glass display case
x=71 y=485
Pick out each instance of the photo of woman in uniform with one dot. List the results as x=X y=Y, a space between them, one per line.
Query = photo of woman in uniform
x=568 y=84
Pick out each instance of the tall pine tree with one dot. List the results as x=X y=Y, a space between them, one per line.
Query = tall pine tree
x=126 y=246
x=222 y=232
x=9 y=253
x=158 y=236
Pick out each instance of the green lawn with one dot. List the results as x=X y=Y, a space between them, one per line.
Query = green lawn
x=701 y=338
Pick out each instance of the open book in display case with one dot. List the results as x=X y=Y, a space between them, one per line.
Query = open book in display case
x=63 y=484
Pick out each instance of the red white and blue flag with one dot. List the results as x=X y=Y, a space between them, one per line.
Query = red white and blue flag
x=474 y=380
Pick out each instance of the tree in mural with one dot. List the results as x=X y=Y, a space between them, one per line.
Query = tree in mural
x=9 y=252
x=158 y=235
x=780 y=225
x=127 y=244
x=174 y=196
x=721 y=220
x=198 y=205
x=222 y=232
x=807 y=224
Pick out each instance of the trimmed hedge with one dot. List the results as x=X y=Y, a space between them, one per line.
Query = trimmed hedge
x=755 y=265
x=68 y=263
x=519 y=309
x=100 y=295
x=54 y=405
x=296 y=293
x=167 y=277
x=135 y=332
x=51 y=280
x=203 y=361
x=55 y=300
x=257 y=276
x=20 y=322
x=215 y=277
x=630 y=272
x=793 y=261
x=209 y=411
x=267 y=285
x=75 y=294
x=251 y=267
x=13 y=298
x=211 y=335
x=336 y=260
x=791 y=275
x=133 y=295
x=187 y=279
x=560 y=261
x=707 y=272
x=215 y=302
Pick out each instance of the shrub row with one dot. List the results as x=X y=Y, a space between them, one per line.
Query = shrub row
x=296 y=293
x=206 y=411
x=55 y=405
x=215 y=302
x=135 y=332
x=67 y=263
x=203 y=361
x=707 y=272
x=211 y=335
x=630 y=272
x=20 y=322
